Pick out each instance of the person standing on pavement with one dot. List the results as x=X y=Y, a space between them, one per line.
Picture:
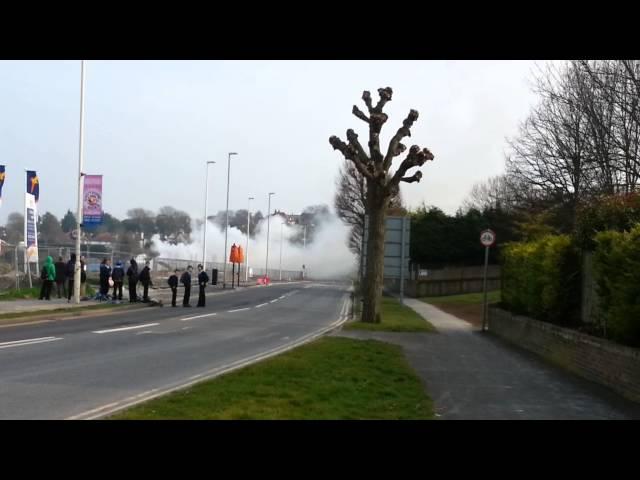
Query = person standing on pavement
x=105 y=274
x=48 y=277
x=69 y=271
x=173 y=283
x=83 y=277
x=203 y=278
x=132 y=275
x=185 y=279
x=60 y=277
x=145 y=279
x=118 y=277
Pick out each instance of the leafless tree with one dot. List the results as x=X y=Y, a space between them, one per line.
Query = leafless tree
x=374 y=167
x=350 y=203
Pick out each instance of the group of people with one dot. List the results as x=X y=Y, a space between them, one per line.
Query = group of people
x=185 y=279
x=62 y=274
x=115 y=278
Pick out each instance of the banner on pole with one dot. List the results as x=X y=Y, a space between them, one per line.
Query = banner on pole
x=30 y=228
x=33 y=184
x=92 y=206
x=2 y=174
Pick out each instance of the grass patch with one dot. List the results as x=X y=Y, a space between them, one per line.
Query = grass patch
x=468 y=306
x=395 y=318
x=464 y=299
x=75 y=311
x=20 y=294
x=331 y=378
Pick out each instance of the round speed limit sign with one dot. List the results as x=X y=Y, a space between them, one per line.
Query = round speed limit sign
x=488 y=238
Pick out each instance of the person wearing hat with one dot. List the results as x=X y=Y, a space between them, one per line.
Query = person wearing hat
x=173 y=284
x=185 y=279
x=118 y=277
x=203 y=278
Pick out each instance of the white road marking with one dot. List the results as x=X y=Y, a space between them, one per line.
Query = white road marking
x=198 y=316
x=126 y=328
x=281 y=296
x=156 y=392
x=273 y=301
x=262 y=305
x=29 y=341
x=237 y=310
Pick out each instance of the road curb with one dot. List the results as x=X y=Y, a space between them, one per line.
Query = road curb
x=110 y=409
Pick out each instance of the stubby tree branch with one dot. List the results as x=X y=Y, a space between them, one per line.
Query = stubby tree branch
x=415 y=158
x=350 y=153
x=366 y=96
x=385 y=96
x=358 y=113
x=413 y=178
x=395 y=147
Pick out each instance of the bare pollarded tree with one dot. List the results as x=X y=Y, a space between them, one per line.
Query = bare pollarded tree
x=350 y=203
x=380 y=186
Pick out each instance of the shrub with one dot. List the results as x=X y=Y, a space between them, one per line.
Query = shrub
x=541 y=279
x=616 y=266
x=613 y=212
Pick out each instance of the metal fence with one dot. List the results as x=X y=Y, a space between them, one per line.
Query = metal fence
x=162 y=268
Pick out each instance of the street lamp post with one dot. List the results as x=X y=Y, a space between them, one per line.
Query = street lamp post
x=246 y=266
x=76 y=271
x=206 y=201
x=281 y=227
x=226 y=223
x=266 y=266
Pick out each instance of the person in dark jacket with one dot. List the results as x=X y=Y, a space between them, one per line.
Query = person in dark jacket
x=105 y=274
x=145 y=279
x=173 y=283
x=60 y=277
x=185 y=279
x=69 y=272
x=118 y=277
x=83 y=277
x=132 y=275
x=203 y=278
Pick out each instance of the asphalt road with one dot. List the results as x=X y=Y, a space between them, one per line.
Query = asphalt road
x=83 y=368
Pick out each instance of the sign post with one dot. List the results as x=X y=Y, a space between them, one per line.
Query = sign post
x=487 y=238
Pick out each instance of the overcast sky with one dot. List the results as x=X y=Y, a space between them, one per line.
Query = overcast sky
x=151 y=126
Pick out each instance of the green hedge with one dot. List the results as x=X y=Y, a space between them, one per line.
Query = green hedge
x=541 y=279
x=616 y=266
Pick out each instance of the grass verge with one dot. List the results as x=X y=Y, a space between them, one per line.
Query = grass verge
x=395 y=318
x=20 y=294
x=331 y=378
x=72 y=311
x=466 y=306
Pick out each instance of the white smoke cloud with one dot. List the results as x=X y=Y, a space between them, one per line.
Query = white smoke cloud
x=326 y=257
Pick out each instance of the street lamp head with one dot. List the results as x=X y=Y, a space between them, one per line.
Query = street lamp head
x=272 y=193
x=232 y=153
x=210 y=161
x=251 y=198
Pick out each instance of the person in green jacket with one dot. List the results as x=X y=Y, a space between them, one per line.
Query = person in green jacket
x=48 y=275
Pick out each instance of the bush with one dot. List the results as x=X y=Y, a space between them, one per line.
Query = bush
x=614 y=212
x=616 y=266
x=541 y=279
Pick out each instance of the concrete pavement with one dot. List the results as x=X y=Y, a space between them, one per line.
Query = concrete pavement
x=473 y=375
x=71 y=368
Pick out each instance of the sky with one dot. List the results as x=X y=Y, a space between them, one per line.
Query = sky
x=151 y=126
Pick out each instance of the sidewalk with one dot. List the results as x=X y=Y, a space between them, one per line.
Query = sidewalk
x=20 y=306
x=8 y=307
x=473 y=375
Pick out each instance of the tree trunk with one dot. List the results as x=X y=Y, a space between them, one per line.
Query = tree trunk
x=375 y=262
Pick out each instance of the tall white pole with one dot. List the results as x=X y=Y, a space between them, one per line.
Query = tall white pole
x=281 y=226
x=76 y=272
x=206 y=202
x=246 y=250
x=226 y=224
x=266 y=266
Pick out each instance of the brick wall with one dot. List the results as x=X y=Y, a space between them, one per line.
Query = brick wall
x=612 y=365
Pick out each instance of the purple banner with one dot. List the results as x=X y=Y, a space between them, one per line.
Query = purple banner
x=92 y=206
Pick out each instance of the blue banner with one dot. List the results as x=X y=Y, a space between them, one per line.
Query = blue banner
x=33 y=184
x=2 y=174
